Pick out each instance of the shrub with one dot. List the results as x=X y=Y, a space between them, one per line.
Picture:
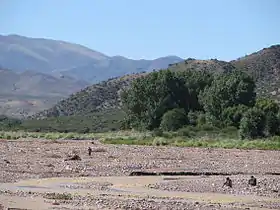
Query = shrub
x=252 y=124
x=195 y=118
x=231 y=116
x=160 y=141
x=212 y=121
x=157 y=132
x=201 y=119
x=207 y=127
x=173 y=120
x=267 y=105
x=186 y=132
x=271 y=124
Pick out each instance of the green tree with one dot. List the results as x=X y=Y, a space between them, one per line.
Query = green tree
x=272 y=124
x=195 y=82
x=231 y=116
x=192 y=118
x=173 y=119
x=149 y=97
x=267 y=105
x=252 y=124
x=228 y=90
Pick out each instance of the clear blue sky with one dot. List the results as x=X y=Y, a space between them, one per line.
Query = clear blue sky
x=222 y=29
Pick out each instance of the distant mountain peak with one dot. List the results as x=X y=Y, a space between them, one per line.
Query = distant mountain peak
x=69 y=59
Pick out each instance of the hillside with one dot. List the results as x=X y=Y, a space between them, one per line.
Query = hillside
x=264 y=65
x=46 y=71
x=104 y=96
x=43 y=55
x=26 y=93
x=96 y=98
x=63 y=58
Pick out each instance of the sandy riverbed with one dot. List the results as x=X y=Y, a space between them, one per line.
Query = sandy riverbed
x=101 y=181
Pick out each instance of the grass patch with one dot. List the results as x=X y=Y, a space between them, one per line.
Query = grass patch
x=185 y=137
x=263 y=144
x=54 y=136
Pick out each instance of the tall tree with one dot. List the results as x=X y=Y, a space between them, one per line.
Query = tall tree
x=228 y=90
x=151 y=96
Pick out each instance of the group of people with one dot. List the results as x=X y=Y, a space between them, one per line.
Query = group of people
x=252 y=181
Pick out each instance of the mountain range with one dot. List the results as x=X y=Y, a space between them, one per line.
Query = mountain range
x=36 y=73
x=62 y=58
x=58 y=78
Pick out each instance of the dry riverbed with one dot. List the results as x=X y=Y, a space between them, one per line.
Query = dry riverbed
x=31 y=170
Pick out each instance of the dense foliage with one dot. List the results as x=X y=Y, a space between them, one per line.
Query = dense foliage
x=169 y=100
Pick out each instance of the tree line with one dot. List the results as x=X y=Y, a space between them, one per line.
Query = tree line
x=169 y=100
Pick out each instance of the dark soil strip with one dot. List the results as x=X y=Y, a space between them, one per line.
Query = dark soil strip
x=185 y=173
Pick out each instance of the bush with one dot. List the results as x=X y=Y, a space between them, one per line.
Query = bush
x=157 y=132
x=212 y=120
x=207 y=127
x=229 y=132
x=267 y=105
x=252 y=124
x=201 y=119
x=231 y=116
x=195 y=118
x=186 y=132
x=271 y=124
x=160 y=141
x=173 y=120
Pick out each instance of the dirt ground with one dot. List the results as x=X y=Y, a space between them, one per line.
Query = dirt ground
x=32 y=170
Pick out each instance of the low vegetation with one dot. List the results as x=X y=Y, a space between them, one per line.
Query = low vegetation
x=268 y=144
x=210 y=137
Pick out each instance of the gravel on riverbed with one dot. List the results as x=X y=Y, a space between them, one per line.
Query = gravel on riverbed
x=266 y=185
x=43 y=159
